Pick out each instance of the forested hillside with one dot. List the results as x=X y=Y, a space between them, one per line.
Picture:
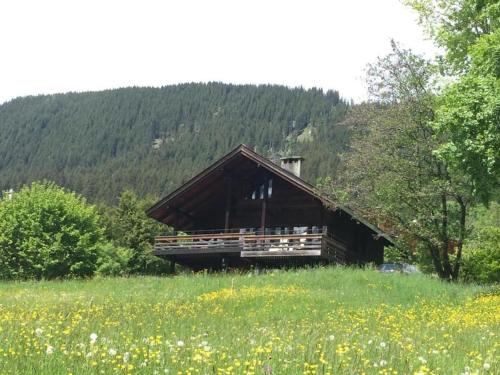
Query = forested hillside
x=153 y=139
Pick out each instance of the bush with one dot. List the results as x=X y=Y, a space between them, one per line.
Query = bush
x=127 y=226
x=113 y=260
x=47 y=232
x=481 y=260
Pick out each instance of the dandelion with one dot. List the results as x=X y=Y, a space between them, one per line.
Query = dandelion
x=50 y=350
x=180 y=343
x=370 y=342
x=38 y=332
x=112 y=352
x=93 y=338
x=486 y=366
x=383 y=344
x=331 y=337
x=126 y=357
x=422 y=360
x=382 y=363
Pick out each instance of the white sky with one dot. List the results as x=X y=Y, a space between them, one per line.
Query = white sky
x=55 y=46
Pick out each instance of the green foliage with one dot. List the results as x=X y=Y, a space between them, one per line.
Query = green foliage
x=469 y=118
x=481 y=261
x=113 y=260
x=468 y=112
x=456 y=25
x=153 y=139
x=129 y=227
x=47 y=232
x=393 y=254
x=391 y=173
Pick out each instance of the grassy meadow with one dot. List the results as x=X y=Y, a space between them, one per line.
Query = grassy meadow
x=319 y=321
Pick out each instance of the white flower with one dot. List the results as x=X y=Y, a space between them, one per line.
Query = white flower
x=382 y=362
x=422 y=360
x=331 y=337
x=370 y=342
x=112 y=352
x=89 y=355
x=180 y=343
x=383 y=344
x=38 y=332
x=50 y=350
x=126 y=356
x=203 y=343
x=93 y=337
x=207 y=348
x=486 y=366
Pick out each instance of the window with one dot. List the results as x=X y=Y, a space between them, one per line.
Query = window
x=260 y=190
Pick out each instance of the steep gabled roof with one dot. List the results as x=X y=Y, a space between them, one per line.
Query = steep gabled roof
x=160 y=210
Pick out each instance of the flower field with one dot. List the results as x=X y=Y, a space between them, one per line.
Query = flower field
x=321 y=321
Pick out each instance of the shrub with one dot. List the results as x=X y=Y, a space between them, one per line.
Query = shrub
x=481 y=261
x=47 y=232
x=113 y=260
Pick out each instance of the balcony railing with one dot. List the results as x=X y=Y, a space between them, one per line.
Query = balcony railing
x=250 y=242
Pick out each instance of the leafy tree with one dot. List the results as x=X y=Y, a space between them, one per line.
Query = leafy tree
x=482 y=251
x=468 y=111
x=47 y=232
x=113 y=260
x=457 y=25
x=392 y=175
x=130 y=228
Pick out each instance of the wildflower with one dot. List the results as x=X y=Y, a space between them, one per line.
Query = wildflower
x=267 y=369
x=126 y=357
x=180 y=343
x=370 y=342
x=486 y=366
x=382 y=363
x=331 y=337
x=207 y=348
x=93 y=338
x=422 y=360
x=112 y=352
x=383 y=344
x=50 y=350
x=38 y=332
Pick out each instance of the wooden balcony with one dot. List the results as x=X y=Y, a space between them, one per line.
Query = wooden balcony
x=249 y=243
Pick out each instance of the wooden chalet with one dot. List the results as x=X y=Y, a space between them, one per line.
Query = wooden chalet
x=245 y=210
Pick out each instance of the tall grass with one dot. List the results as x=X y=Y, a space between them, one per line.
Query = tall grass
x=325 y=320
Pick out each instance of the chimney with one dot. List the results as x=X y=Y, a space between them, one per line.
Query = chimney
x=292 y=164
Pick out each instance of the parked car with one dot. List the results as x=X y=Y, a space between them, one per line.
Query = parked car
x=398 y=267
x=390 y=267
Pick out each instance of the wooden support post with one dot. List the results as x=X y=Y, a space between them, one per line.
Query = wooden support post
x=228 y=203
x=264 y=204
x=263 y=215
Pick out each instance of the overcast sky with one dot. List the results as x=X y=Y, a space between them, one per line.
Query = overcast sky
x=54 y=46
